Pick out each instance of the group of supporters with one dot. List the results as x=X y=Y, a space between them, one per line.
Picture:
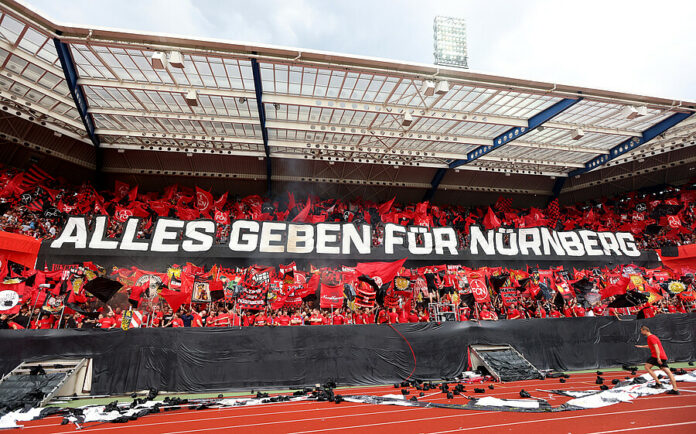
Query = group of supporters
x=34 y=203
x=88 y=296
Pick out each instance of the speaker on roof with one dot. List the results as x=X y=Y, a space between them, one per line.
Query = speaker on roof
x=442 y=87
x=159 y=60
x=428 y=88
x=577 y=134
x=176 y=59
x=407 y=120
x=191 y=98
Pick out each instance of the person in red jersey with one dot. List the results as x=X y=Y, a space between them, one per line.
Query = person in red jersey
x=423 y=315
x=316 y=318
x=261 y=319
x=296 y=318
x=358 y=317
x=488 y=314
x=412 y=316
x=393 y=316
x=514 y=313
x=107 y=322
x=176 y=321
x=368 y=316
x=337 y=318
x=283 y=319
x=648 y=311
x=658 y=358
x=382 y=317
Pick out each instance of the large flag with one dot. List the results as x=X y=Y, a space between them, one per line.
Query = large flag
x=477 y=283
x=386 y=271
x=175 y=298
x=102 y=288
x=331 y=296
x=21 y=249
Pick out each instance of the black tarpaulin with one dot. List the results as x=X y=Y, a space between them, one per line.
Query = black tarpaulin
x=190 y=359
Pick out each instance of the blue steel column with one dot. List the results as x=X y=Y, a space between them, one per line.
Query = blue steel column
x=70 y=73
x=258 y=87
x=508 y=136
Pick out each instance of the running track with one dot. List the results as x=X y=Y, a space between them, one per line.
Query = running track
x=646 y=415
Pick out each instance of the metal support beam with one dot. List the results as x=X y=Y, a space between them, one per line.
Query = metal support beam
x=632 y=143
x=258 y=87
x=70 y=72
x=508 y=136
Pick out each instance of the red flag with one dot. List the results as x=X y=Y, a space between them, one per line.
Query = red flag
x=331 y=296
x=187 y=214
x=122 y=214
x=386 y=206
x=291 y=201
x=220 y=203
x=204 y=200
x=491 y=221
x=121 y=189
x=133 y=194
x=11 y=298
x=21 y=249
x=477 y=283
x=616 y=288
x=384 y=270
x=222 y=218
x=175 y=298
x=302 y=215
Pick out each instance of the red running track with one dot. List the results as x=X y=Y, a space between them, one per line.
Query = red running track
x=676 y=414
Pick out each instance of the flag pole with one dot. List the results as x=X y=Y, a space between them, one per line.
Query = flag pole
x=31 y=313
x=61 y=316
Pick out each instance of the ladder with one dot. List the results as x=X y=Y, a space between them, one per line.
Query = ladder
x=443 y=312
x=59 y=375
x=503 y=362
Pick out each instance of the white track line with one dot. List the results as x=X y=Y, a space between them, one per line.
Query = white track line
x=644 y=427
x=563 y=418
x=426 y=419
x=254 y=424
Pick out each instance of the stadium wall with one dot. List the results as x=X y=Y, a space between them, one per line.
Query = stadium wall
x=193 y=359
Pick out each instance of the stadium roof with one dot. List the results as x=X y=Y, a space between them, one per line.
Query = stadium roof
x=259 y=112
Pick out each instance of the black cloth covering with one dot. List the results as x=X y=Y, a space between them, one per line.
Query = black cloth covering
x=190 y=359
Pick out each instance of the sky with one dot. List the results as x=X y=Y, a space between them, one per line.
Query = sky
x=637 y=46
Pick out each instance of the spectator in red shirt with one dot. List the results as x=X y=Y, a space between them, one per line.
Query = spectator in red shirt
x=316 y=318
x=393 y=316
x=513 y=312
x=658 y=358
x=261 y=319
x=296 y=319
x=106 y=322
x=412 y=316
x=555 y=313
x=282 y=319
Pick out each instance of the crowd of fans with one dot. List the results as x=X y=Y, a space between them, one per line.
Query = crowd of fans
x=417 y=295
x=36 y=204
